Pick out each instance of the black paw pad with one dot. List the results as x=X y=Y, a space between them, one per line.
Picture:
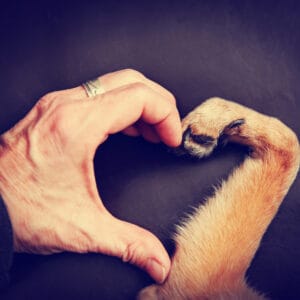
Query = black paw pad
x=201 y=139
x=235 y=123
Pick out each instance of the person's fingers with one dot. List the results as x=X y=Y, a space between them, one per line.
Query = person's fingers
x=114 y=111
x=142 y=129
x=121 y=78
x=148 y=132
x=114 y=80
x=131 y=131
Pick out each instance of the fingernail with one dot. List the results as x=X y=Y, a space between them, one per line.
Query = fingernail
x=156 y=270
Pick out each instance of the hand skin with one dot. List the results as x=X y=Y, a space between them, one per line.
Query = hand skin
x=47 y=176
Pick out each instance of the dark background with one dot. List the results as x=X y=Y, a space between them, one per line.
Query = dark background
x=246 y=51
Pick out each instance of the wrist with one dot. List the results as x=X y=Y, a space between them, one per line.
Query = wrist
x=10 y=179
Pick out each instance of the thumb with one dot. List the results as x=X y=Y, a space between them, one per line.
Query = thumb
x=137 y=246
x=142 y=248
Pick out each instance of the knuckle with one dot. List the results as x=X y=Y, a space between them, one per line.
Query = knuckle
x=47 y=100
x=133 y=74
x=43 y=102
x=52 y=124
x=60 y=122
x=172 y=98
x=139 y=89
x=49 y=97
x=132 y=253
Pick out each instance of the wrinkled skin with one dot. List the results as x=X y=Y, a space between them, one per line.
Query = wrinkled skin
x=47 y=175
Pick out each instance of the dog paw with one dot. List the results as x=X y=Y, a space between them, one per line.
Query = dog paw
x=197 y=145
x=209 y=125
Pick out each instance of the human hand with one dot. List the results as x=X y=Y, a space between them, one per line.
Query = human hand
x=47 y=174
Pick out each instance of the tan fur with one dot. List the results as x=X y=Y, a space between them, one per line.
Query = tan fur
x=217 y=244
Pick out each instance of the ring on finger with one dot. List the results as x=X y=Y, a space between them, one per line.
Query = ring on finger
x=93 y=87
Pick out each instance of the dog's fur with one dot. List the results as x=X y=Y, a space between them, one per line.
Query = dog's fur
x=215 y=247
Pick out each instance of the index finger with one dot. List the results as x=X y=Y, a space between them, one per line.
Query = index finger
x=116 y=110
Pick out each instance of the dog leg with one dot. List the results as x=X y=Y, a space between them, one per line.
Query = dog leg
x=215 y=247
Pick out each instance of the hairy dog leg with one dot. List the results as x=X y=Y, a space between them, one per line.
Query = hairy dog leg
x=215 y=247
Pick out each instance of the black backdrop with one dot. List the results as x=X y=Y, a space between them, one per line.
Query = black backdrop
x=246 y=51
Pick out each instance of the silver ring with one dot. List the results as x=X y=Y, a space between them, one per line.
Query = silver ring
x=93 y=87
